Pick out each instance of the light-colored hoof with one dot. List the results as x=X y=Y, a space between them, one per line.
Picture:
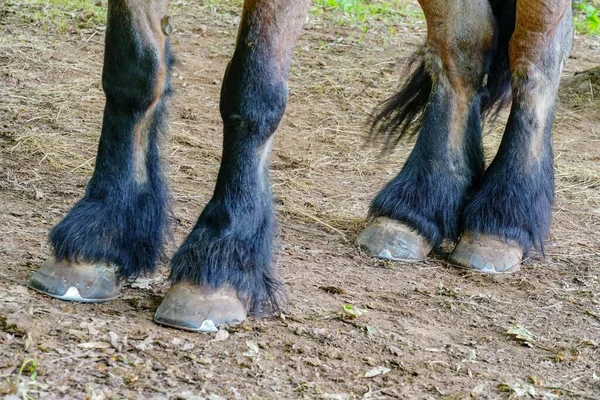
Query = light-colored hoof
x=393 y=240
x=199 y=309
x=82 y=282
x=486 y=253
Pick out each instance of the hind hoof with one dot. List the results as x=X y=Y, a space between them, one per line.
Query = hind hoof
x=81 y=282
x=198 y=309
x=392 y=240
x=487 y=254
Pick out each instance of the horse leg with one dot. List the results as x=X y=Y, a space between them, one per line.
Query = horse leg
x=421 y=206
x=511 y=211
x=223 y=269
x=117 y=229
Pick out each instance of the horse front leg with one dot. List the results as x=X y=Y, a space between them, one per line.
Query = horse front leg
x=223 y=269
x=511 y=211
x=117 y=229
x=421 y=206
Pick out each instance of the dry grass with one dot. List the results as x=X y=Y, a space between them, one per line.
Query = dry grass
x=55 y=130
x=441 y=331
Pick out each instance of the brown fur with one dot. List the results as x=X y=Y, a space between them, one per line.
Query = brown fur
x=146 y=16
x=534 y=40
x=455 y=47
x=537 y=21
x=276 y=24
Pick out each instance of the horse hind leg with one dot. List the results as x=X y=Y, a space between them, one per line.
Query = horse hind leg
x=117 y=229
x=510 y=213
x=224 y=269
x=421 y=206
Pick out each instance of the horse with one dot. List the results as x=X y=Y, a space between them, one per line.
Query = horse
x=479 y=55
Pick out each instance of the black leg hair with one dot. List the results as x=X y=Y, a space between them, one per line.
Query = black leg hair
x=123 y=217
x=442 y=103
x=231 y=243
x=516 y=197
x=429 y=191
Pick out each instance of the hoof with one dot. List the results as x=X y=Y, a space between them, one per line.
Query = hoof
x=82 y=282
x=198 y=309
x=488 y=254
x=392 y=240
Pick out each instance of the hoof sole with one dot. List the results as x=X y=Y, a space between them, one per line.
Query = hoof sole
x=199 y=309
x=79 y=282
x=487 y=254
x=388 y=239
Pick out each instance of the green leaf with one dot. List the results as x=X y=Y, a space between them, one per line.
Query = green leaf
x=352 y=312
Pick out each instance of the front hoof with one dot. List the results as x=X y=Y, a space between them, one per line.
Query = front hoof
x=199 y=309
x=82 y=282
x=392 y=240
x=488 y=254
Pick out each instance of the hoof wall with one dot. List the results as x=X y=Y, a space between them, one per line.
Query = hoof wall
x=392 y=240
x=487 y=254
x=81 y=282
x=198 y=309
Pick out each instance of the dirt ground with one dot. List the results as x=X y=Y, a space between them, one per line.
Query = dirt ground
x=429 y=330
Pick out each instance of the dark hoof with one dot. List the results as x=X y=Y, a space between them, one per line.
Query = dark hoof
x=87 y=283
x=392 y=240
x=488 y=254
x=195 y=308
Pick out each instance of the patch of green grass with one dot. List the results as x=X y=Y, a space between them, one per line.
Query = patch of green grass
x=587 y=16
x=60 y=15
x=18 y=385
x=362 y=12
x=68 y=15
x=347 y=12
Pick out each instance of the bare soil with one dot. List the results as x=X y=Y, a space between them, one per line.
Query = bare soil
x=429 y=331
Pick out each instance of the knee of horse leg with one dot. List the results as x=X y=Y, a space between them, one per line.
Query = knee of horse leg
x=538 y=52
x=251 y=102
x=542 y=40
x=459 y=36
x=137 y=58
